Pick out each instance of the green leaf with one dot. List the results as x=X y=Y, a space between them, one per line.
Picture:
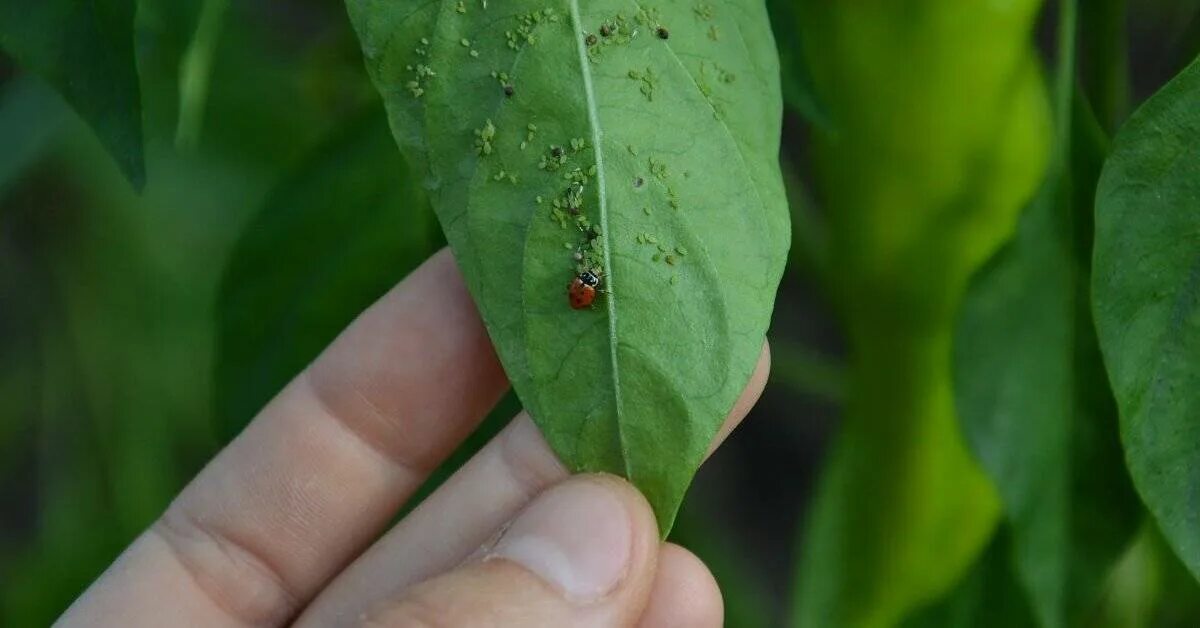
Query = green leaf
x=1034 y=405
x=31 y=119
x=669 y=118
x=1147 y=588
x=1146 y=297
x=901 y=511
x=334 y=236
x=805 y=371
x=989 y=596
x=85 y=50
x=799 y=92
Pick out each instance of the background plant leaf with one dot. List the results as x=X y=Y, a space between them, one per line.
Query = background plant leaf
x=1146 y=295
x=671 y=121
x=799 y=92
x=900 y=509
x=336 y=234
x=85 y=50
x=989 y=596
x=1035 y=408
x=941 y=136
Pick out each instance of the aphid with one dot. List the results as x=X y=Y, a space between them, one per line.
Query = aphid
x=638 y=182
x=508 y=90
x=590 y=39
x=575 y=198
x=605 y=30
x=556 y=151
x=662 y=33
x=582 y=290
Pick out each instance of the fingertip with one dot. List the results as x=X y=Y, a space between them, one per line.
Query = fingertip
x=685 y=593
x=750 y=395
x=583 y=553
x=592 y=537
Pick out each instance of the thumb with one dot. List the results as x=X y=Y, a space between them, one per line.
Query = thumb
x=581 y=554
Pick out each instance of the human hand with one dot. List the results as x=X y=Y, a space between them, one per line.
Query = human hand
x=283 y=526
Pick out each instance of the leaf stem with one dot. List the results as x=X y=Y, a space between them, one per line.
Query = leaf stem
x=195 y=73
x=1064 y=84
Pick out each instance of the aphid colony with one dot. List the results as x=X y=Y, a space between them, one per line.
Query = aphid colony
x=588 y=255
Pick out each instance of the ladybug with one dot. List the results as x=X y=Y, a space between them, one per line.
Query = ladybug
x=582 y=290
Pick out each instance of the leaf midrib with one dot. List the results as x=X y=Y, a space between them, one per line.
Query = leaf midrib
x=602 y=203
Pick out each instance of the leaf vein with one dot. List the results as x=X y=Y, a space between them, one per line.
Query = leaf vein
x=602 y=203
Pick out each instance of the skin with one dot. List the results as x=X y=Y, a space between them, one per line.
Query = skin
x=289 y=525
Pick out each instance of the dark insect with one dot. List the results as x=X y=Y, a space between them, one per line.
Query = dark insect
x=582 y=291
x=591 y=40
x=638 y=182
x=575 y=198
x=508 y=90
x=556 y=151
x=605 y=30
x=592 y=234
x=662 y=32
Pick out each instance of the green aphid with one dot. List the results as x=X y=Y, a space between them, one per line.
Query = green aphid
x=460 y=7
x=670 y=259
x=575 y=196
x=656 y=257
x=674 y=279
x=464 y=42
x=681 y=251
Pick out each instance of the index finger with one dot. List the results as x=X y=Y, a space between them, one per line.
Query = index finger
x=321 y=470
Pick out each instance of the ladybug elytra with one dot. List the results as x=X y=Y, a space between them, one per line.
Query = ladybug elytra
x=582 y=291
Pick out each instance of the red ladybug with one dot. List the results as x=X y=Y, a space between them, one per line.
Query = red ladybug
x=582 y=290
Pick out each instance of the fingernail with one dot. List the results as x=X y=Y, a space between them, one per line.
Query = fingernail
x=577 y=537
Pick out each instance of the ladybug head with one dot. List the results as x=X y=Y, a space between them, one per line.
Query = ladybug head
x=588 y=278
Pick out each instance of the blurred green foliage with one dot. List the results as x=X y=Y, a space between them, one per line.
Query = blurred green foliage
x=138 y=332
x=109 y=297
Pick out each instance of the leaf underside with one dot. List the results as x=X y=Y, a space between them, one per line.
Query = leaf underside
x=1146 y=299
x=660 y=125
